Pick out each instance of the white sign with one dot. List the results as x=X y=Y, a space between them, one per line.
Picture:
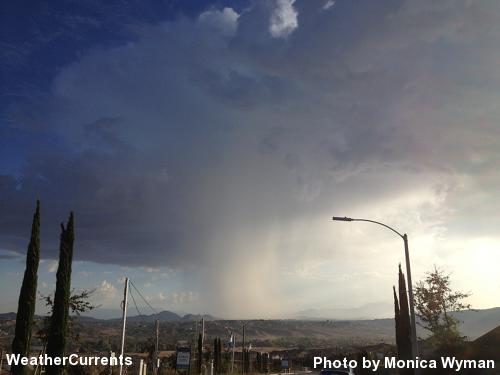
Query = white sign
x=183 y=360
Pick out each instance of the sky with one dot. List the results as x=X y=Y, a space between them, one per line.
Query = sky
x=204 y=147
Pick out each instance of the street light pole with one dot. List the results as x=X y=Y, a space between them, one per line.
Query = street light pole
x=408 y=273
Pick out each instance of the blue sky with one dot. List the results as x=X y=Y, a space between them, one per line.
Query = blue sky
x=204 y=147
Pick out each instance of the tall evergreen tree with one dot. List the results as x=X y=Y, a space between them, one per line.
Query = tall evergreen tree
x=246 y=360
x=258 y=362
x=216 y=356
x=200 y=353
x=219 y=353
x=56 y=342
x=265 y=363
x=27 y=296
x=405 y=349
x=396 y=319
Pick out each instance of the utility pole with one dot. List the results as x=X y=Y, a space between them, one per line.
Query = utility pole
x=202 y=331
x=232 y=359
x=124 y=319
x=202 y=339
x=195 y=341
x=249 y=361
x=193 y=347
x=243 y=352
x=155 y=357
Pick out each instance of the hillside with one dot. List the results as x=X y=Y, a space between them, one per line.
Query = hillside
x=167 y=316
x=476 y=323
x=98 y=333
x=487 y=345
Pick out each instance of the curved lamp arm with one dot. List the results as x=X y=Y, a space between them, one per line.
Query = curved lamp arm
x=338 y=218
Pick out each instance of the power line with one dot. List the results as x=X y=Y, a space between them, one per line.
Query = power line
x=144 y=299
x=135 y=304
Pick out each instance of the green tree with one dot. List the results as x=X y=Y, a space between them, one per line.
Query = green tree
x=258 y=362
x=27 y=296
x=396 y=319
x=434 y=302
x=78 y=304
x=402 y=320
x=216 y=356
x=405 y=349
x=265 y=363
x=200 y=353
x=56 y=342
x=246 y=360
x=219 y=354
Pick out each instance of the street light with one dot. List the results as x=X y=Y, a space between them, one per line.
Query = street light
x=408 y=272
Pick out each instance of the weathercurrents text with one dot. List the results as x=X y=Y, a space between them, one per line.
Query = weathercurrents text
x=72 y=360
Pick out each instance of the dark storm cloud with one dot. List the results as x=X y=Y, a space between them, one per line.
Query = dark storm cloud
x=209 y=138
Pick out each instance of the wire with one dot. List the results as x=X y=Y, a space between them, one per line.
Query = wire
x=144 y=299
x=135 y=304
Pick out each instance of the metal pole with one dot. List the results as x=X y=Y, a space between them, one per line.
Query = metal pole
x=202 y=341
x=249 y=360
x=232 y=359
x=233 y=340
x=410 y=286
x=157 y=333
x=124 y=318
x=243 y=351
x=202 y=331
x=195 y=345
x=410 y=294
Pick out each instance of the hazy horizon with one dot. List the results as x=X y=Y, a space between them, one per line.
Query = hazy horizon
x=317 y=315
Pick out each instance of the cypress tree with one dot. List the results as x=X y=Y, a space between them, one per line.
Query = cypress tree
x=404 y=323
x=200 y=353
x=56 y=342
x=396 y=320
x=246 y=360
x=219 y=353
x=265 y=363
x=27 y=296
x=216 y=356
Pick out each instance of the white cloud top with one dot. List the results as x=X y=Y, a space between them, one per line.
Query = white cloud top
x=225 y=21
x=283 y=19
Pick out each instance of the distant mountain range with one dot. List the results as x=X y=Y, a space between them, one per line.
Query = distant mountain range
x=8 y=316
x=163 y=316
x=365 y=312
x=168 y=316
x=478 y=322
x=475 y=323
